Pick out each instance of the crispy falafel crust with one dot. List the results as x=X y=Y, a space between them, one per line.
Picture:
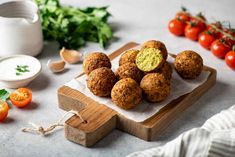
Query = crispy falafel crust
x=188 y=64
x=128 y=56
x=126 y=93
x=166 y=70
x=129 y=70
x=94 y=61
x=155 y=87
x=101 y=81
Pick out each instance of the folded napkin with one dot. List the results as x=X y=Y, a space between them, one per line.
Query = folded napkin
x=216 y=138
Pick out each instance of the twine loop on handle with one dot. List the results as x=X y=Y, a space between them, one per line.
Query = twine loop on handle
x=44 y=131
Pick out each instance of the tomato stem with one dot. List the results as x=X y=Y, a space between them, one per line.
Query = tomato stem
x=233 y=48
x=184 y=9
x=217 y=29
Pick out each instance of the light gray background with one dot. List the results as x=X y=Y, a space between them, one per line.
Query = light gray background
x=133 y=20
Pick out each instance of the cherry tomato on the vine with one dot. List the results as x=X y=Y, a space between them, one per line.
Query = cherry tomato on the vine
x=199 y=21
x=220 y=48
x=192 y=31
x=212 y=29
x=230 y=58
x=205 y=39
x=183 y=16
x=215 y=24
x=176 y=27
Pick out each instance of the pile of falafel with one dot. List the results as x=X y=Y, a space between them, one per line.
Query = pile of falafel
x=142 y=74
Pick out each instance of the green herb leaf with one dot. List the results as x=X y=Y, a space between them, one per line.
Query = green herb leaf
x=73 y=27
x=4 y=94
x=20 y=69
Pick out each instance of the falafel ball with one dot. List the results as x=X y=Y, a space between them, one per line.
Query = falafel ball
x=101 y=81
x=94 y=61
x=149 y=59
x=166 y=70
x=129 y=70
x=128 y=57
x=155 y=87
x=126 y=93
x=188 y=64
x=158 y=45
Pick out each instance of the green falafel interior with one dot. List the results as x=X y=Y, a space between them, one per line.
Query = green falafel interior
x=149 y=59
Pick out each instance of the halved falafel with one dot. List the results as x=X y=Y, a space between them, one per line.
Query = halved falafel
x=158 y=45
x=149 y=59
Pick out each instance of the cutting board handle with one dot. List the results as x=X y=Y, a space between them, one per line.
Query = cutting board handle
x=99 y=121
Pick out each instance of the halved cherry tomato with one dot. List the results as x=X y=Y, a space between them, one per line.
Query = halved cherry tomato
x=230 y=58
x=220 y=48
x=205 y=39
x=21 y=97
x=176 y=27
x=192 y=31
x=3 y=110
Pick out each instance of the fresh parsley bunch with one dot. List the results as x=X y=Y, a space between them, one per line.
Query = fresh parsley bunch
x=72 y=27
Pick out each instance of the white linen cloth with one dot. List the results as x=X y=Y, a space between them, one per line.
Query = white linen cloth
x=216 y=138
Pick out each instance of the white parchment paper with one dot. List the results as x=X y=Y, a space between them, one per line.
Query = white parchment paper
x=145 y=110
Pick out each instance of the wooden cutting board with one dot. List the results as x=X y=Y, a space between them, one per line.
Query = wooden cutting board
x=101 y=120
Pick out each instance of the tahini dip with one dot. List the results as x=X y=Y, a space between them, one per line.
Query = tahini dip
x=9 y=64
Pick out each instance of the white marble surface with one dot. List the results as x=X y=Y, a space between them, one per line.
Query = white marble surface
x=133 y=20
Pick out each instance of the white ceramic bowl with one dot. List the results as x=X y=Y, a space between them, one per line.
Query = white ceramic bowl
x=20 y=28
x=8 y=65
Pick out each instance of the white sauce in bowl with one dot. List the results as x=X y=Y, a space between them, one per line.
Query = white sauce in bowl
x=8 y=67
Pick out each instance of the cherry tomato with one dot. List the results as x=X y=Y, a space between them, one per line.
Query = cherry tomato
x=176 y=27
x=205 y=39
x=216 y=24
x=220 y=48
x=3 y=110
x=230 y=58
x=211 y=28
x=192 y=32
x=199 y=21
x=230 y=31
x=21 y=97
x=229 y=41
x=183 y=15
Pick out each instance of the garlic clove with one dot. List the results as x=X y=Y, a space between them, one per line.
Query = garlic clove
x=70 y=56
x=56 y=66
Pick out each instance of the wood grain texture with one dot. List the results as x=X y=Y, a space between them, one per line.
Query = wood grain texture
x=100 y=120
